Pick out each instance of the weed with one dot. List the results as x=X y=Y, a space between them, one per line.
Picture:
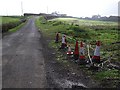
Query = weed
x=109 y=74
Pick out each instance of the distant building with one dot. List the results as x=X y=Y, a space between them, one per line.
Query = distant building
x=57 y=14
x=113 y=18
x=30 y=14
x=96 y=17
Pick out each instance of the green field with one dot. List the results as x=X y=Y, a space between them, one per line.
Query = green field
x=83 y=30
x=10 y=22
x=82 y=22
x=10 y=19
x=88 y=31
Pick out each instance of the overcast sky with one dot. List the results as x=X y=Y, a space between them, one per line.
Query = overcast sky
x=78 y=8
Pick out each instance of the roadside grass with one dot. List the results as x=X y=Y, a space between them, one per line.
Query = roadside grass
x=108 y=74
x=88 y=35
x=0 y=20
x=10 y=22
x=83 y=30
x=16 y=28
x=108 y=77
x=0 y=23
x=106 y=35
x=10 y=19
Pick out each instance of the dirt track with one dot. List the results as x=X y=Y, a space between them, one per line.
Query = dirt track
x=22 y=59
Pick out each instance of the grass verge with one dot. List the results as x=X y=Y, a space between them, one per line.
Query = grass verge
x=89 y=32
x=16 y=28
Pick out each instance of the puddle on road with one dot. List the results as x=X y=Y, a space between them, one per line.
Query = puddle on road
x=69 y=84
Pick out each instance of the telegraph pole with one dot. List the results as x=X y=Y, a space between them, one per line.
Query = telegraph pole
x=47 y=9
x=21 y=7
x=6 y=12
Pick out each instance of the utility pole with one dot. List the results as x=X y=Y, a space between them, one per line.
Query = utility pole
x=21 y=7
x=6 y=12
x=47 y=9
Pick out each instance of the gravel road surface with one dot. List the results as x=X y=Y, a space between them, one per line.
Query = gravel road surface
x=22 y=59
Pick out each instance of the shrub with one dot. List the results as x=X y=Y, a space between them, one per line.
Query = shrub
x=76 y=28
x=70 y=32
x=7 y=26
x=57 y=23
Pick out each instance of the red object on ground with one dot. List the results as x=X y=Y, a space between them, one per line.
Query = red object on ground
x=76 y=51
x=63 y=45
x=96 y=57
x=57 y=38
x=69 y=52
x=82 y=54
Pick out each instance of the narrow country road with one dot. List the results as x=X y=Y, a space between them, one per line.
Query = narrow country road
x=22 y=59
